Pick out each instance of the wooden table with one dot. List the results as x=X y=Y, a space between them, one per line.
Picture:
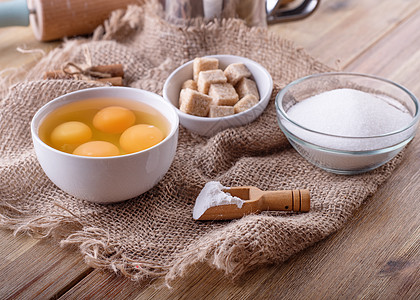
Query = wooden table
x=376 y=255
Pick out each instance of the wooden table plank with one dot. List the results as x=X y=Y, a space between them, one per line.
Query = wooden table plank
x=340 y=30
x=396 y=56
x=37 y=269
x=349 y=264
x=101 y=284
x=13 y=38
x=11 y=247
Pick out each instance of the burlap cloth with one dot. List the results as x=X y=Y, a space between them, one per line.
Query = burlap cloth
x=154 y=234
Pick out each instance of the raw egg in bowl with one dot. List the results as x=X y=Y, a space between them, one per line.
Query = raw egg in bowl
x=106 y=144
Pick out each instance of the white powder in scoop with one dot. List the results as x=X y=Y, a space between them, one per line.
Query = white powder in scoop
x=351 y=113
x=212 y=195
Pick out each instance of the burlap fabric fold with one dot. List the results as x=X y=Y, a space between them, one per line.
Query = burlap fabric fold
x=154 y=234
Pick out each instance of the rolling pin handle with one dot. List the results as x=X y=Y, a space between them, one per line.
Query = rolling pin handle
x=14 y=13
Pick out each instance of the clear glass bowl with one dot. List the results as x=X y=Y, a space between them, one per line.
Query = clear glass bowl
x=342 y=153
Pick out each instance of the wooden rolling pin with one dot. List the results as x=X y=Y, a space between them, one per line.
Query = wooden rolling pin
x=55 y=19
x=256 y=200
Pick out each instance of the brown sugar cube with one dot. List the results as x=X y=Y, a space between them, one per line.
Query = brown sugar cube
x=190 y=84
x=194 y=103
x=235 y=72
x=182 y=95
x=247 y=86
x=206 y=78
x=220 y=111
x=223 y=94
x=245 y=103
x=204 y=64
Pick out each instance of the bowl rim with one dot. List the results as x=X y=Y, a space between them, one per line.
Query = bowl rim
x=35 y=136
x=212 y=120
x=281 y=93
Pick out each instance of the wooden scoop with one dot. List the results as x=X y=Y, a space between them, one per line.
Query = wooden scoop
x=256 y=200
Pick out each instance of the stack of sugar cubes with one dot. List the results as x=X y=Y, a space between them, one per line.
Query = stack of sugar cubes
x=216 y=93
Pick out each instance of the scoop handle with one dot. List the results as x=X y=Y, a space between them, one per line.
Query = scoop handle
x=287 y=200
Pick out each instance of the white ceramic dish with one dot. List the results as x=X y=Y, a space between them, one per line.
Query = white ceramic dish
x=107 y=179
x=210 y=126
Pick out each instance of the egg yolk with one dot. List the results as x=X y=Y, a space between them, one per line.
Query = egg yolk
x=67 y=136
x=140 y=137
x=114 y=119
x=97 y=149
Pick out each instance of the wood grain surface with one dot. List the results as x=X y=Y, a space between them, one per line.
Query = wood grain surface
x=375 y=256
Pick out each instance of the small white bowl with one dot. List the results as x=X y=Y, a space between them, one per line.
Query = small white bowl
x=344 y=153
x=209 y=126
x=107 y=179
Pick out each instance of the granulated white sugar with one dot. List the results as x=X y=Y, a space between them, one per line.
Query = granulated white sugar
x=350 y=113
x=213 y=195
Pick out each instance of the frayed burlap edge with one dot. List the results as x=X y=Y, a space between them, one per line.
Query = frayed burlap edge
x=94 y=244
x=235 y=261
x=100 y=252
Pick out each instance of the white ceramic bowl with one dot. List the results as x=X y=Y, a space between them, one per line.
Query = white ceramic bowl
x=210 y=126
x=107 y=179
x=344 y=153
